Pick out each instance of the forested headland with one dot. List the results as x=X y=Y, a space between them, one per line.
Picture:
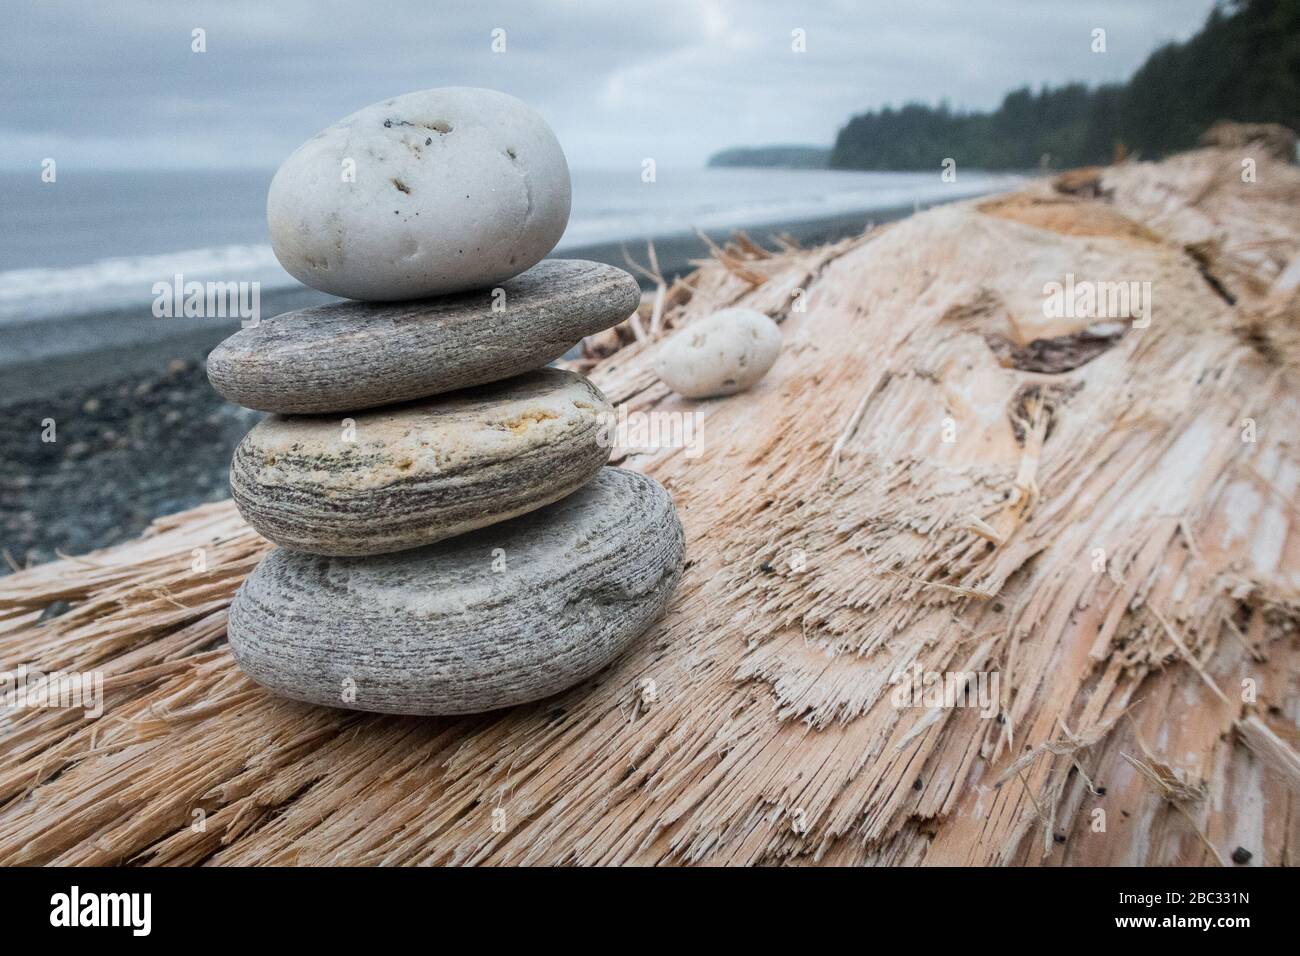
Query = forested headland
x=1243 y=65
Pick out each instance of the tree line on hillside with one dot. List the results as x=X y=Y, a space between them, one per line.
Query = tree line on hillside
x=1243 y=65
x=783 y=156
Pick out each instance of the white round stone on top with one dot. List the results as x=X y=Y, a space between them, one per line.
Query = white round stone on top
x=423 y=194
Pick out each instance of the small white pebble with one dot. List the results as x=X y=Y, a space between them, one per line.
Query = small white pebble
x=723 y=354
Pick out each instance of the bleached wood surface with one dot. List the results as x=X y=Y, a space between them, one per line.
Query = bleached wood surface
x=834 y=537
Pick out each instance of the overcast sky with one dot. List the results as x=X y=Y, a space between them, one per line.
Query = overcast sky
x=113 y=83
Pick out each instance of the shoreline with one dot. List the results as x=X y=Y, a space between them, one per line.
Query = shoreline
x=40 y=359
x=141 y=433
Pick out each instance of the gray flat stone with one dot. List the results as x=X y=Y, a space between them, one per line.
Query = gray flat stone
x=353 y=355
x=501 y=616
x=408 y=475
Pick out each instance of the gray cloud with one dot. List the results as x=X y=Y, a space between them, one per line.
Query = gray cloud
x=117 y=84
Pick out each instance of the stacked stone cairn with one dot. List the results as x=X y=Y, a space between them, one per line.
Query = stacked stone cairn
x=451 y=538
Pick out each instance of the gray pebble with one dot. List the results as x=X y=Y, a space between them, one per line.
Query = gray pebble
x=501 y=616
x=353 y=355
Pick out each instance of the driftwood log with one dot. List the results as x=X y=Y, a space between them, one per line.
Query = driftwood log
x=940 y=475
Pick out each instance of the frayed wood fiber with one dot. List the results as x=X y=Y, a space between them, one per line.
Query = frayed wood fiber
x=1112 y=533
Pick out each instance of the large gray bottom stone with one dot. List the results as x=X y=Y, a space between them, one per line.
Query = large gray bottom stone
x=500 y=616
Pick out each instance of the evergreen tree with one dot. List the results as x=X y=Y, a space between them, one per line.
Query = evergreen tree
x=1243 y=65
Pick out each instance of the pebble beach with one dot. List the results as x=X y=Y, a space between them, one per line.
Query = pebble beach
x=141 y=432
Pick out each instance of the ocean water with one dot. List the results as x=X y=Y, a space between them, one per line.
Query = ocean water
x=98 y=241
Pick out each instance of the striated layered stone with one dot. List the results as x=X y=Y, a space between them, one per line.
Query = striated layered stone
x=408 y=475
x=354 y=355
x=501 y=616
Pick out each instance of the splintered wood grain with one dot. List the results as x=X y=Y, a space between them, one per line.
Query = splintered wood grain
x=1111 y=534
